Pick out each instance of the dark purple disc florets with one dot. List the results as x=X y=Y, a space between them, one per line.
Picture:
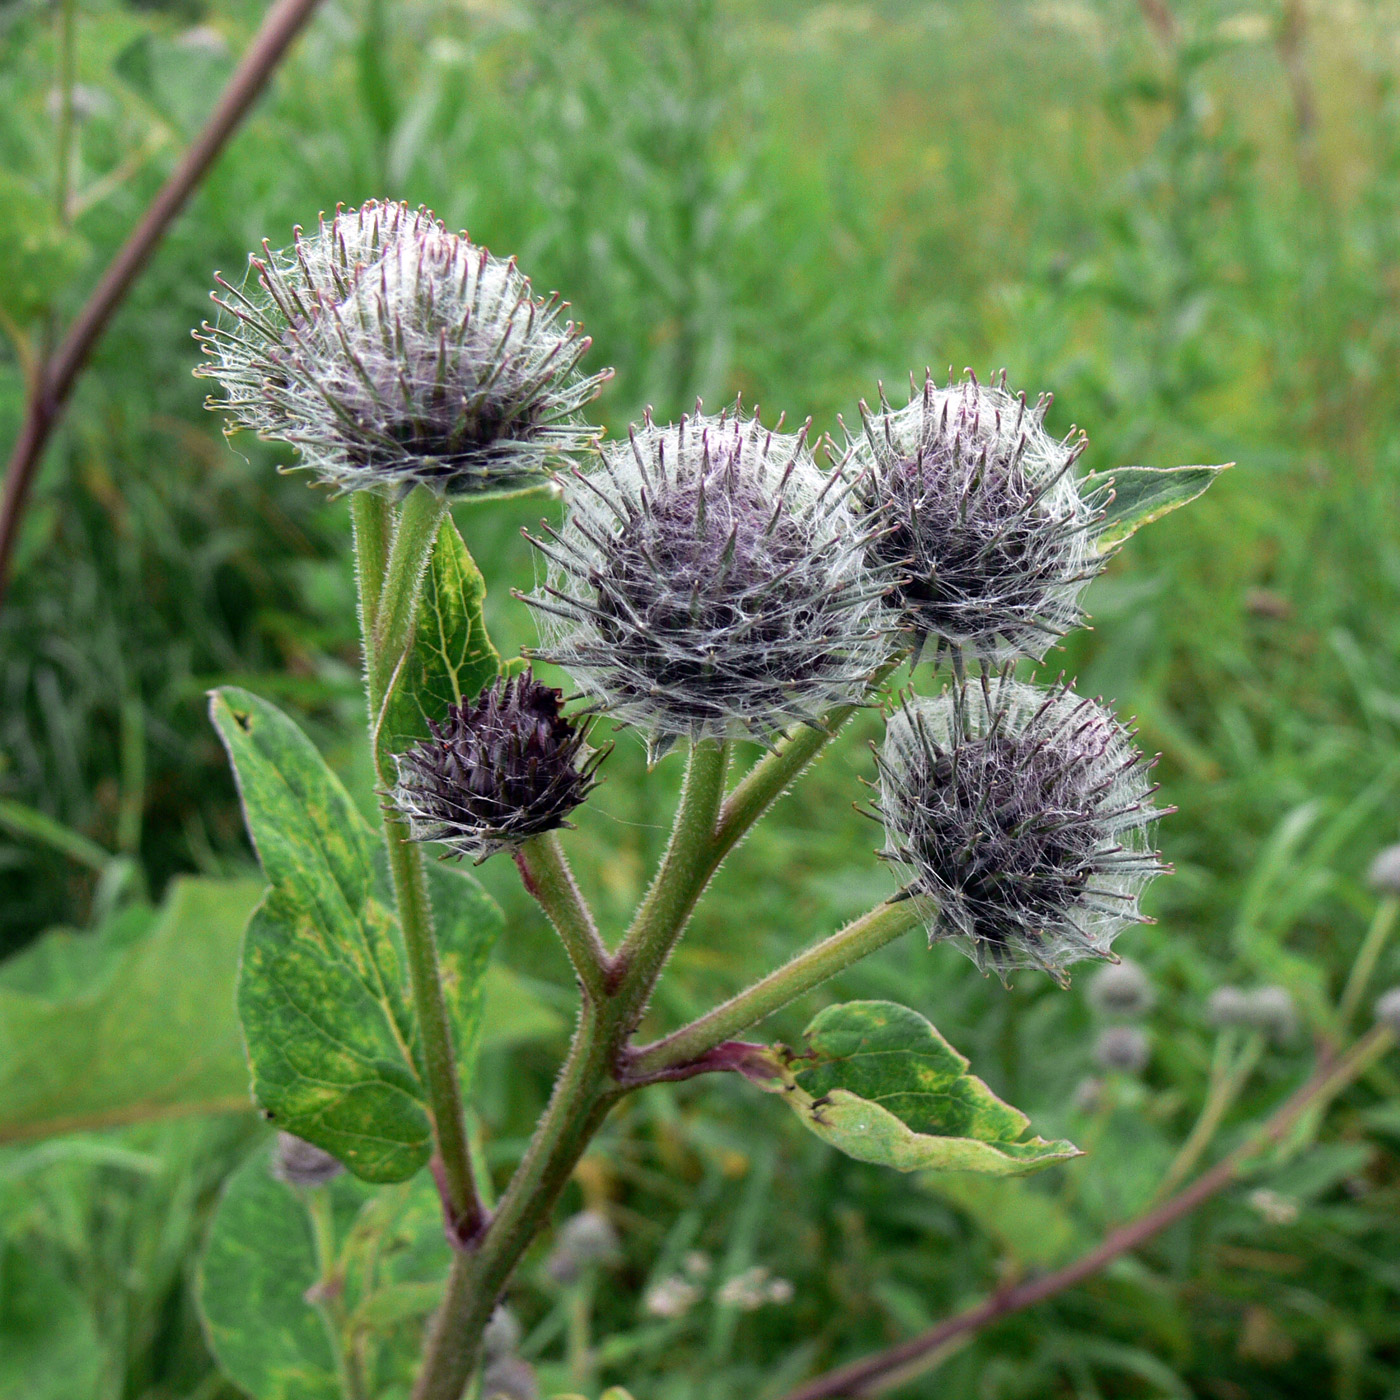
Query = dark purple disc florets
x=497 y=771
x=1021 y=816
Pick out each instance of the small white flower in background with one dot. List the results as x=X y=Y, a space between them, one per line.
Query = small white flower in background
x=1277 y=1209
x=391 y=352
x=205 y=39
x=1388 y=1010
x=1125 y=1049
x=1121 y=989
x=752 y=1289
x=509 y=1378
x=1023 y=817
x=710 y=581
x=503 y=1333
x=1088 y=1094
x=697 y=1264
x=671 y=1298
x=1384 y=874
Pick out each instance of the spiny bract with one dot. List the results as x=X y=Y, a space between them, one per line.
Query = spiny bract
x=1021 y=815
x=497 y=771
x=981 y=522
x=391 y=352
x=710 y=580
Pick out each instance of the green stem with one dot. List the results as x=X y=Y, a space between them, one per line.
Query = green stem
x=389 y=589
x=684 y=871
x=403 y=578
x=435 y=1027
x=1366 y=958
x=67 y=65
x=865 y=935
x=1227 y=1079
x=373 y=521
x=545 y=871
x=328 y=1291
x=582 y=1096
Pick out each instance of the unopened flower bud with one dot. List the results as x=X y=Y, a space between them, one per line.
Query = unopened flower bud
x=1388 y=1010
x=1121 y=989
x=1022 y=816
x=709 y=581
x=1125 y=1049
x=1228 y=1006
x=502 y=1334
x=497 y=771
x=585 y=1240
x=509 y=1378
x=300 y=1163
x=1384 y=874
x=390 y=352
x=981 y=521
x=1266 y=1009
x=1088 y=1094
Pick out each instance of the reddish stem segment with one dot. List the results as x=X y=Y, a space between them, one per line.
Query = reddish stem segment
x=54 y=377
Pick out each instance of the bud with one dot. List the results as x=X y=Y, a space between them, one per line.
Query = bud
x=502 y=1335
x=1121 y=989
x=509 y=1378
x=979 y=516
x=1384 y=874
x=1266 y=1009
x=1122 y=1048
x=300 y=1163
x=1022 y=817
x=1388 y=1010
x=585 y=1240
x=390 y=352
x=710 y=580
x=497 y=771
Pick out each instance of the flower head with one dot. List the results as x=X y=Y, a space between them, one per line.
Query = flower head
x=301 y=1163
x=1267 y=1009
x=710 y=580
x=1388 y=1010
x=1022 y=817
x=497 y=771
x=1123 y=1048
x=390 y=352
x=1121 y=989
x=981 y=523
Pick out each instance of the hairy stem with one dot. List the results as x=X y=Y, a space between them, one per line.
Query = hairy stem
x=583 y=1094
x=545 y=871
x=807 y=970
x=881 y=1371
x=680 y=880
x=390 y=582
x=397 y=606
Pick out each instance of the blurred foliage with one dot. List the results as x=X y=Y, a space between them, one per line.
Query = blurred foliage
x=1188 y=231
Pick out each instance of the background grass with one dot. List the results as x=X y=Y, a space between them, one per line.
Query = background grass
x=1191 y=237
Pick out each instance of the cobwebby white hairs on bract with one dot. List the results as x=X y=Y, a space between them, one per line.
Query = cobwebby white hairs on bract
x=981 y=518
x=390 y=353
x=710 y=580
x=1022 y=817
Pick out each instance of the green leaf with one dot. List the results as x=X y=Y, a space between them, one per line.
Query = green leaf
x=1132 y=497
x=451 y=659
x=132 y=1022
x=49 y=1346
x=467 y=922
x=390 y=1260
x=257 y=1266
x=320 y=995
x=514 y=1012
x=1032 y=1226
x=880 y=1083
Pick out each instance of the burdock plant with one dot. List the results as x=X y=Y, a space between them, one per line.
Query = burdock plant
x=709 y=583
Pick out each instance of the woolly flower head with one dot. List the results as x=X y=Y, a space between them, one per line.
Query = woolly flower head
x=981 y=520
x=497 y=771
x=710 y=580
x=1021 y=816
x=390 y=352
